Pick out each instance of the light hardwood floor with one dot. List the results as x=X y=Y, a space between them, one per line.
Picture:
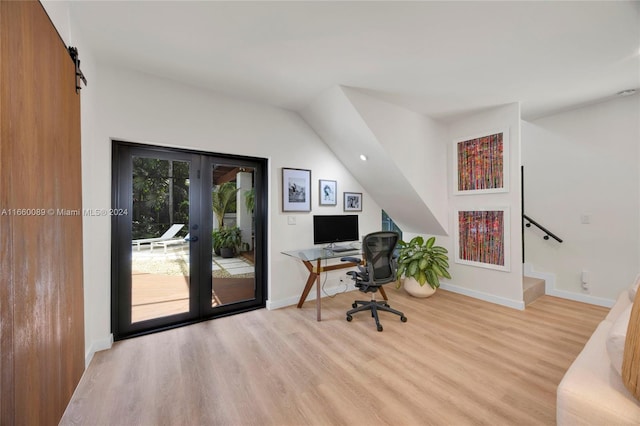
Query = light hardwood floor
x=457 y=361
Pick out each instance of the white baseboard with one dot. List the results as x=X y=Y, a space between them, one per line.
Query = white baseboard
x=550 y=288
x=97 y=345
x=281 y=303
x=515 y=304
x=585 y=298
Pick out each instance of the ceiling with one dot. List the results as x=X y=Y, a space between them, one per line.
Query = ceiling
x=438 y=58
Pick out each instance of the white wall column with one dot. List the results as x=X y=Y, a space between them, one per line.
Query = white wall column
x=244 y=218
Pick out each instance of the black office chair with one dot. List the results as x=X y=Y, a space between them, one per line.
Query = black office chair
x=380 y=268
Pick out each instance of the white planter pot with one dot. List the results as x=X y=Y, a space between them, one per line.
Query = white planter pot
x=414 y=288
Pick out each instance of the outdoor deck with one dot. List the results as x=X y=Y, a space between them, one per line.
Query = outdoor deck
x=160 y=282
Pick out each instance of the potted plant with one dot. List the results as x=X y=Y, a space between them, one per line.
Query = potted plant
x=217 y=241
x=422 y=262
x=229 y=239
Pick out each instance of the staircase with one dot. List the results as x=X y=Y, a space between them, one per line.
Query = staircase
x=532 y=288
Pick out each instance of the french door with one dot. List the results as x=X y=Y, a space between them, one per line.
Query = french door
x=188 y=237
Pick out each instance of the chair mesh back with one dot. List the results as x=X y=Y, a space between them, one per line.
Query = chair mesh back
x=378 y=250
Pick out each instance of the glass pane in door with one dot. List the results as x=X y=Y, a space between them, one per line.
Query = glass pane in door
x=160 y=248
x=233 y=202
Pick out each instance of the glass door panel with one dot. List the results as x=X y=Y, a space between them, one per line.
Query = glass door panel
x=233 y=278
x=182 y=205
x=160 y=257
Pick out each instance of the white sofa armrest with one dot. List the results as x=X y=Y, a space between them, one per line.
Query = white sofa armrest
x=621 y=304
x=592 y=392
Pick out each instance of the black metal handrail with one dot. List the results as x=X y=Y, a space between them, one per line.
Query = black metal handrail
x=542 y=228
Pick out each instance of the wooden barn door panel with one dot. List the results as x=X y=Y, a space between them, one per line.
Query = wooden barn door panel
x=41 y=295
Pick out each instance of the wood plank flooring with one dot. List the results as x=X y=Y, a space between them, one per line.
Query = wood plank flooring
x=457 y=361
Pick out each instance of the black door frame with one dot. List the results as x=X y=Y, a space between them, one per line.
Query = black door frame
x=200 y=296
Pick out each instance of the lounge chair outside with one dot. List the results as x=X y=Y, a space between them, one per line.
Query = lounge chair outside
x=167 y=243
x=171 y=232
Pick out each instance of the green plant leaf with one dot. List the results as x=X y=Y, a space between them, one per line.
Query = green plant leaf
x=432 y=279
x=401 y=269
x=421 y=278
x=430 y=242
x=441 y=263
x=423 y=263
x=417 y=241
x=416 y=256
x=413 y=267
x=446 y=274
x=436 y=269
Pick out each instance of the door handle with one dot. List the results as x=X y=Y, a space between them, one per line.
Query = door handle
x=192 y=239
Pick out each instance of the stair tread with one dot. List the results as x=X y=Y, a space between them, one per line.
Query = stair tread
x=533 y=288
x=528 y=282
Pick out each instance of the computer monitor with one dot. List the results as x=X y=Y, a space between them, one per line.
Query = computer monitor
x=335 y=228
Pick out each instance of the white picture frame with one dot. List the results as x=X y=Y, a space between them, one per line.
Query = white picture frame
x=481 y=163
x=482 y=238
x=327 y=192
x=352 y=201
x=296 y=190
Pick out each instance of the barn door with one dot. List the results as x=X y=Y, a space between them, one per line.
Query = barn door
x=41 y=295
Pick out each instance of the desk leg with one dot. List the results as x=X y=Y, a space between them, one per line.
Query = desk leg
x=309 y=284
x=383 y=294
x=314 y=276
x=318 y=298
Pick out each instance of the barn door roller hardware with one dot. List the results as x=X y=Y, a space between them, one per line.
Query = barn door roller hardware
x=73 y=51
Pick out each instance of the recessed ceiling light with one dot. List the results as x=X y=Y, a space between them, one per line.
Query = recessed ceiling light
x=627 y=92
x=363 y=157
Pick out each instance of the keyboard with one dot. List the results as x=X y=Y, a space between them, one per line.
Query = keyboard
x=340 y=249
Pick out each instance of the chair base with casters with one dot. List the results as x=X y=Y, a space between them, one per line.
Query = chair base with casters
x=374 y=306
x=380 y=268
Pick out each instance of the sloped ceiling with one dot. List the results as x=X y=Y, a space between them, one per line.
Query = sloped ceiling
x=334 y=117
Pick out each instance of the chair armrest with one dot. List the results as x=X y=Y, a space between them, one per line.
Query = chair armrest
x=351 y=259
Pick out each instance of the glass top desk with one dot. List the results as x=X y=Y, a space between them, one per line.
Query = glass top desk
x=317 y=255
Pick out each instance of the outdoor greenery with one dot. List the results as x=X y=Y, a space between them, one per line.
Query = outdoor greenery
x=160 y=195
x=250 y=199
x=224 y=201
x=161 y=199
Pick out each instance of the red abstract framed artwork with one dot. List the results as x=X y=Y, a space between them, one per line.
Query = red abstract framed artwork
x=482 y=238
x=481 y=164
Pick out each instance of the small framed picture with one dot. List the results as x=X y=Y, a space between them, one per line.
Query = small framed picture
x=296 y=190
x=353 y=201
x=328 y=192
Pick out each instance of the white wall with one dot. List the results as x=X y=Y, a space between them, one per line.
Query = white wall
x=58 y=12
x=131 y=106
x=415 y=143
x=585 y=162
x=142 y=108
x=495 y=286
